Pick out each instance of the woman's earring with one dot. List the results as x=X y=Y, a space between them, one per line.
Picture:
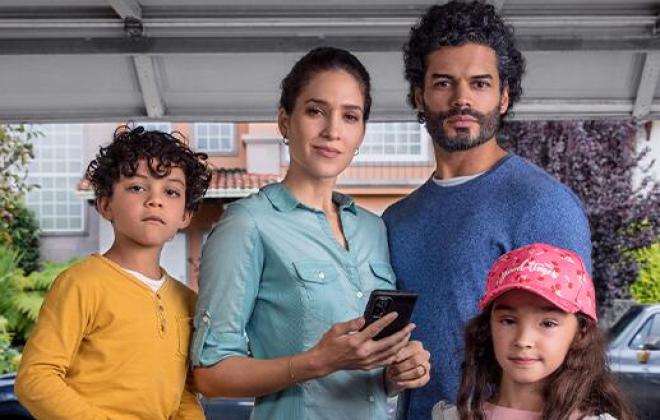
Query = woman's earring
x=357 y=152
x=285 y=141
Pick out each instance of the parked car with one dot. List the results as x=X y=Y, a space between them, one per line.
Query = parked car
x=634 y=356
x=10 y=408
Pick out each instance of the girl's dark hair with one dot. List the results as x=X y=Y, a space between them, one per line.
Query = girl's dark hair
x=457 y=23
x=161 y=151
x=319 y=60
x=583 y=383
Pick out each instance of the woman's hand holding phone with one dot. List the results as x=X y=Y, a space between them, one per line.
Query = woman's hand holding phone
x=348 y=346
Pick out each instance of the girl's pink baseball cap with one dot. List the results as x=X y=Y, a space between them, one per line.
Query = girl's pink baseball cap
x=555 y=274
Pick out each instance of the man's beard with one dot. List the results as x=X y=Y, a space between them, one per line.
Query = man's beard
x=488 y=125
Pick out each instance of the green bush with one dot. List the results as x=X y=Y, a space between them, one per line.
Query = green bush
x=21 y=296
x=647 y=288
x=9 y=356
x=24 y=238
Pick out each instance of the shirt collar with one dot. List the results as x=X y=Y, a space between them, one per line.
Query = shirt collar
x=280 y=197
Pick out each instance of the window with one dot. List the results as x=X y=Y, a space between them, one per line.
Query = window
x=651 y=328
x=214 y=138
x=57 y=169
x=394 y=142
x=165 y=127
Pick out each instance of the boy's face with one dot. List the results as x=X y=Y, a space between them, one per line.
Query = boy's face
x=531 y=336
x=147 y=211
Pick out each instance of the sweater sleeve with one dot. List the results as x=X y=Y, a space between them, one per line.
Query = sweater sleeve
x=41 y=386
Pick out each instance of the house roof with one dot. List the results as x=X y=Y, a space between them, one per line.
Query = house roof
x=225 y=183
x=222 y=60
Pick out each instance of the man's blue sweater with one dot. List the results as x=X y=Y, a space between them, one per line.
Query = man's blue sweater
x=443 y=241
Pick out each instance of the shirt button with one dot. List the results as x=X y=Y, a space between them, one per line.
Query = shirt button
x=359 y=294
x=321 y=275
x=371 y=398
x=205 y=319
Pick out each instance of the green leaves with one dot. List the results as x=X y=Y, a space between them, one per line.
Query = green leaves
x=647 y=288
x=21 y=296
x=18 y=226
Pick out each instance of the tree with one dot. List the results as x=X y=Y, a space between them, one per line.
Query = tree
x=18 y=225
x=597 y=160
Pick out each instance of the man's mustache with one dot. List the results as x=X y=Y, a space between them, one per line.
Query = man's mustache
x=453 y=112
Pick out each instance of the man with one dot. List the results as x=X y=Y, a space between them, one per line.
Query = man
x=465 y=74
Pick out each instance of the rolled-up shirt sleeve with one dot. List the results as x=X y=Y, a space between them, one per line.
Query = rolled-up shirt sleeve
x=230 y=271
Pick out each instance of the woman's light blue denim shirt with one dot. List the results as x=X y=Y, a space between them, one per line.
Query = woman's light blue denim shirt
x=274 y=279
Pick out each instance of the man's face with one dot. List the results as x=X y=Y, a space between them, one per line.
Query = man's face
x=461 y=98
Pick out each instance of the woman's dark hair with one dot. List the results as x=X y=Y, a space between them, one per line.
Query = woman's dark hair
x=457 y=23
x=161 y=151
x=583 y=383
x=319 y=60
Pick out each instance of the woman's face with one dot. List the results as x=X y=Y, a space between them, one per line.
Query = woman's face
x=531 y=336
x=326 y=125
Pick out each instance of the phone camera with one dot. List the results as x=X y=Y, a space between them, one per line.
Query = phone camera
x=382 y=306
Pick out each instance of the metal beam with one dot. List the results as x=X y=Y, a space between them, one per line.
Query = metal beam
x=527 y=109
x=126 y=8
x=648 y=83
x=171 y=26
x=144 y=66
x=211 y=45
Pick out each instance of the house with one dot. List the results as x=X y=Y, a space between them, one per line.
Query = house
x=395 y=158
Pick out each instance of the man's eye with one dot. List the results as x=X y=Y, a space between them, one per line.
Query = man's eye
x=314 y=111
x=480 y=84
x=441 y=83
x=136 y=188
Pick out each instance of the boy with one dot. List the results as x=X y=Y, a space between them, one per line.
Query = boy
x=113 y=332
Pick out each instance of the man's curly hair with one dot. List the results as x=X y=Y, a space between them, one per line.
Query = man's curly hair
x=457 y=23
x=161 y=151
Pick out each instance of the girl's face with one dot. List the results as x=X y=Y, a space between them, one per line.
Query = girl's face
x=326 y=125
x=531 y=336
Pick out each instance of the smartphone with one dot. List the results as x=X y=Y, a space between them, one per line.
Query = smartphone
x=382 y=302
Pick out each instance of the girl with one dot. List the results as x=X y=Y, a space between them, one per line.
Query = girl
x=287 y=272
x=535 y=351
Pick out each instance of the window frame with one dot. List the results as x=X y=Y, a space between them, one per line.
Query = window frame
x=424 y=156
x=233 y=151
x=68 y=180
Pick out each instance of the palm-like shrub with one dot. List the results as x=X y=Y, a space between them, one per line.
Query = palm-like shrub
x=21 y=296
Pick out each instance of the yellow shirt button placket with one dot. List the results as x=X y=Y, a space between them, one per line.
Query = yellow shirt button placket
x=161 y=316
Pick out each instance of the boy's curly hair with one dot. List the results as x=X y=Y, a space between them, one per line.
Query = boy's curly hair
x=457 y=23
x=161 y=151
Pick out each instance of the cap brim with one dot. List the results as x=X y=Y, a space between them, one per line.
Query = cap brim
x=552 y=298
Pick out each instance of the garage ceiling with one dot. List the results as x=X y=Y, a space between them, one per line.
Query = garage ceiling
x=197 y=60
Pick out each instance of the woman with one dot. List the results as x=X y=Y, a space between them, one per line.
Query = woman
x=286 y=268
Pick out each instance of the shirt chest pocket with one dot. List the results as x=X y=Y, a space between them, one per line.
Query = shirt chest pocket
x=320 y=290
x=382 y=275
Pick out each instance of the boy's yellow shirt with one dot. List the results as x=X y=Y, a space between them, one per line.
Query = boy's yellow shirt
x=107 y=347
